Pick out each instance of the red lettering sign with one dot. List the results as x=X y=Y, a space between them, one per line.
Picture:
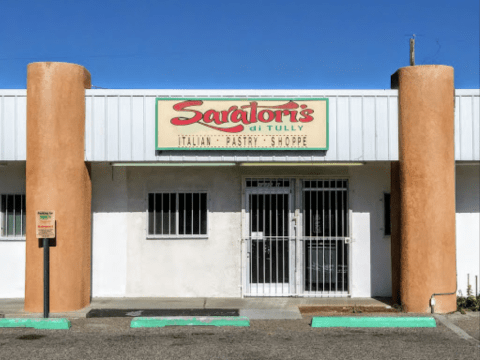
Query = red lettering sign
x=238 y=117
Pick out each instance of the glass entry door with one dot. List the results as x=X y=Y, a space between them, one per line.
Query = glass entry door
x=270 y=244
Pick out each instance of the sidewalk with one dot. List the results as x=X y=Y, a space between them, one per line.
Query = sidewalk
x=254 y=308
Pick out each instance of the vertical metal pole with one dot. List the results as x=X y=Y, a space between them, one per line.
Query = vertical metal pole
x=4 y=218
x=276 y=241
x=336 y=237
x=412 y=51
x=257 y=260
x=317 y=239
x=263 y=243
x=310 y=248
x=6 y=215
x=21 y=216
x=343 y=244
x=177 y=214
x=270 y=196
x=46 y=278
x=330 y=235
x=283 y=241
x=154 y=213
x=250 y=226
x=162 y=201
x=323 y=236
x=304 y=236
x=14 y=217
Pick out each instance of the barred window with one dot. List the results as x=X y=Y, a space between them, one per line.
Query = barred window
x=177 y=214
x=12 y=216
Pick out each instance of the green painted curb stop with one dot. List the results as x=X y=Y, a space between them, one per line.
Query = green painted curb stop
x=345 y=321
x=143 y=322
x=41 y=324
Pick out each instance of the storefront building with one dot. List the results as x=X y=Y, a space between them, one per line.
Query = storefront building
x=236 y=193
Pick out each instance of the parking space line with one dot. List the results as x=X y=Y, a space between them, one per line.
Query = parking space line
x=454 y=328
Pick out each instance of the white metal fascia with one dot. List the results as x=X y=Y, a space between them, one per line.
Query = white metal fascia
x=13 y=92
x=13 y=147
x=237 y=92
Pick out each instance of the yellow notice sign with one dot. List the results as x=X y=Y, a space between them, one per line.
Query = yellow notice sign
x=45 y=221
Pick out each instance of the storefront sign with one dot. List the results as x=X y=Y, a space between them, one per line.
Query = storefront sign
x=45 y=221
x=241 y=124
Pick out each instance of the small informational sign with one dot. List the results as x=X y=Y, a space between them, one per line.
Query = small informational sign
x=45 y=221
x=241 y=124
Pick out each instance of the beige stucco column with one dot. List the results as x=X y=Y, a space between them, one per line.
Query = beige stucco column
x=58 y=179
x=423 y=190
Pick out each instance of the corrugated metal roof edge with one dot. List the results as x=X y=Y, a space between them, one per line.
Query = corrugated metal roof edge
x=230 y=92
x=237 y=92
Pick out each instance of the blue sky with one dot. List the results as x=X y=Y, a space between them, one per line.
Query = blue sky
x=239 y=44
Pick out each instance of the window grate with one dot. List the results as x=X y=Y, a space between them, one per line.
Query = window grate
x=174 y=214
x=12 y=216
x=325 y=234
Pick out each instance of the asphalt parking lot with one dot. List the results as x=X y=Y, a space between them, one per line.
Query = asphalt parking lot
x=112 y=338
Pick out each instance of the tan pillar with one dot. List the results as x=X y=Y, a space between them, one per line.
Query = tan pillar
x=58 y=179
x=426 y=189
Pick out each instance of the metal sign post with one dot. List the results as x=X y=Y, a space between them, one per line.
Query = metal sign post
x=46 y=277
x=46 y=230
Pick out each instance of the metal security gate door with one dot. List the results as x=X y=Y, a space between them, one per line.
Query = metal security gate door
x=325 y=240
x=270 y=245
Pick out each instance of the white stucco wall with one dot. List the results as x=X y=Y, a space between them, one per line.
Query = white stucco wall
x=12 y=252
x=468 y=225
x=207 y=267
x=109 y=231
x=371 y=260
x=126 y=263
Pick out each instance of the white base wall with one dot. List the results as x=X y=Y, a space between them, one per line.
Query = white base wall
x=468 y=226
x=12 y=252
x=371 y=260
x=109 y=231
x=126 y=263
x=12 y=269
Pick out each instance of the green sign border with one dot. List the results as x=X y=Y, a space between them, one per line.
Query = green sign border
x=241 y=99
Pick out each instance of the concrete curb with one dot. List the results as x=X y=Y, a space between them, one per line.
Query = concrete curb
x=144 y=322
x=64 y=315
x=40 y=324
x=309 y=310
x=102 y=313
x=348 y=321
x=271 y=314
